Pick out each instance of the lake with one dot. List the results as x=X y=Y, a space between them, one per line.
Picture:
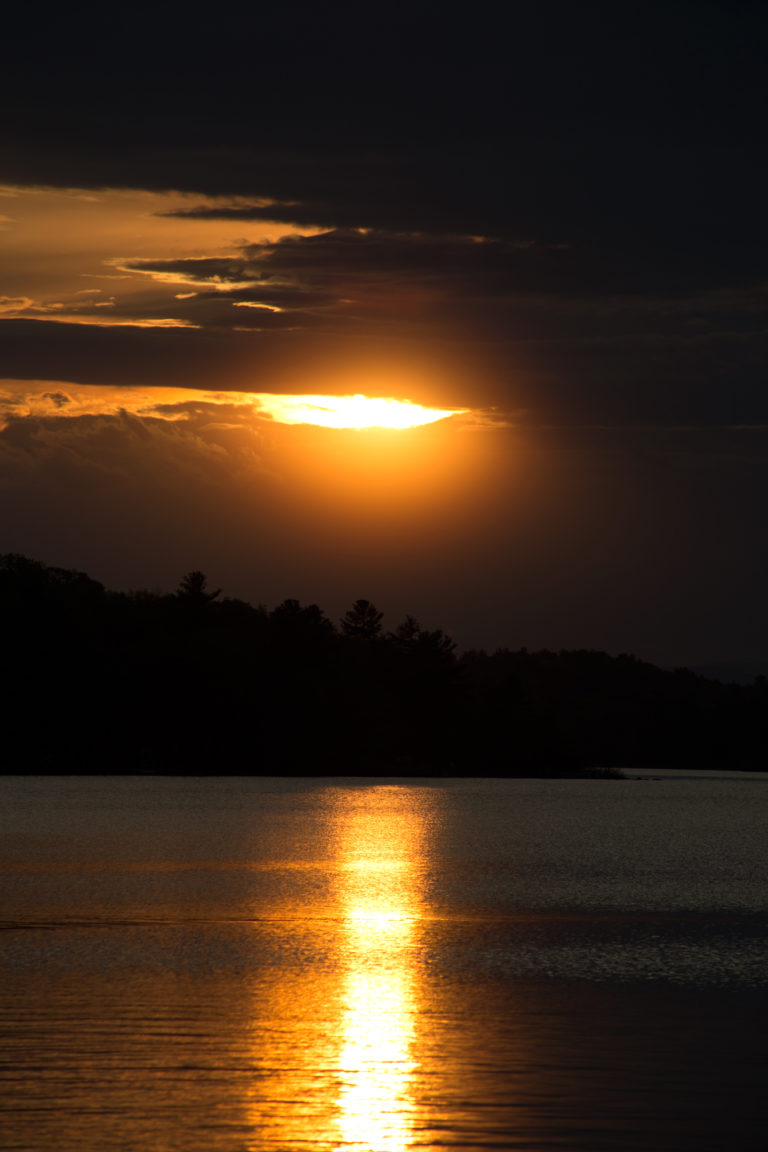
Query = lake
x=306 y=965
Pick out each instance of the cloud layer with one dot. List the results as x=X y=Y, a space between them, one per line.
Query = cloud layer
x=566 y=331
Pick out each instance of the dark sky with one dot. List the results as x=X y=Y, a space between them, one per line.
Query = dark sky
x=553 y=217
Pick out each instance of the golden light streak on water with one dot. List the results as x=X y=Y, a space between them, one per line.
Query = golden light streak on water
x=375 y=1102
x=379 y=849
x=333 y=1038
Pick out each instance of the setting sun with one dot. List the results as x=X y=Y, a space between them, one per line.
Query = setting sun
x=356 y=411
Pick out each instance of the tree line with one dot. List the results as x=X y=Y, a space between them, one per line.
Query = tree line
x=198 y=682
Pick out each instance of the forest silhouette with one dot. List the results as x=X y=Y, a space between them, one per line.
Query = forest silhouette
x=196 y=682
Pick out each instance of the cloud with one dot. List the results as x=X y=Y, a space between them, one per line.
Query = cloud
x=75 y=311
x=126 y=460
x=622 y=273
x=139 y=499
x=13 y=305
x=481 y=290
x=221 y=272
x=130 y=356
x=58 y=399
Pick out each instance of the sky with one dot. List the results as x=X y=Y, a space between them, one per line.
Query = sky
x=548 y=223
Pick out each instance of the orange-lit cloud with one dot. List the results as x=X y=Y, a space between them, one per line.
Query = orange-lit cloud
x=341 y=459
x=368 y=460
x=57 y=238
x=25 y=398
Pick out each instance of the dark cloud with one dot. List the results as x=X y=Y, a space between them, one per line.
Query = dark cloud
x=632 y=132
x=195 y=269
x=210 y=310
x=58 y=399
x=545 y=284
x=127 y=356
x=93 y=461
x=582 y=344
x=610 y=157
x=561 y=361
x=634 y=266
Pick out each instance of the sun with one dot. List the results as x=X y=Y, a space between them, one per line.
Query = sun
x=356 y=411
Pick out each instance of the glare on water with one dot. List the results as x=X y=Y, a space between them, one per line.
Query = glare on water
x=379 y=898
x=334 y=1036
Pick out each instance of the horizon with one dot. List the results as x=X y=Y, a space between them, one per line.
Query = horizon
x=734 y=672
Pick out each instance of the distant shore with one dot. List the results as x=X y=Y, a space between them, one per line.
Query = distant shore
x=192 y=683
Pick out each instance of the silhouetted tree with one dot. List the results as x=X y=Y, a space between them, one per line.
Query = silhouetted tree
x=294 y=618
x=413 y=640
x=406 y=634
x=363 y=621
x=193 y=589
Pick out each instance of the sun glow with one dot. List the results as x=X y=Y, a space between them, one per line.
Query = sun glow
x=356 y=411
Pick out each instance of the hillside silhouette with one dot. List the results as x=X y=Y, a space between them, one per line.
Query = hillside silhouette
x=197 y=682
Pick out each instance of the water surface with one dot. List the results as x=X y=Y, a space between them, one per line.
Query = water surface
x=235 y=965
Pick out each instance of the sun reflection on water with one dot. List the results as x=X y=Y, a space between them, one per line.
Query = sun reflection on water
x=379 y=892
x=334 y=1037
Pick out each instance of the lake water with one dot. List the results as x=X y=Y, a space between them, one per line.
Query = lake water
x=237 y=965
